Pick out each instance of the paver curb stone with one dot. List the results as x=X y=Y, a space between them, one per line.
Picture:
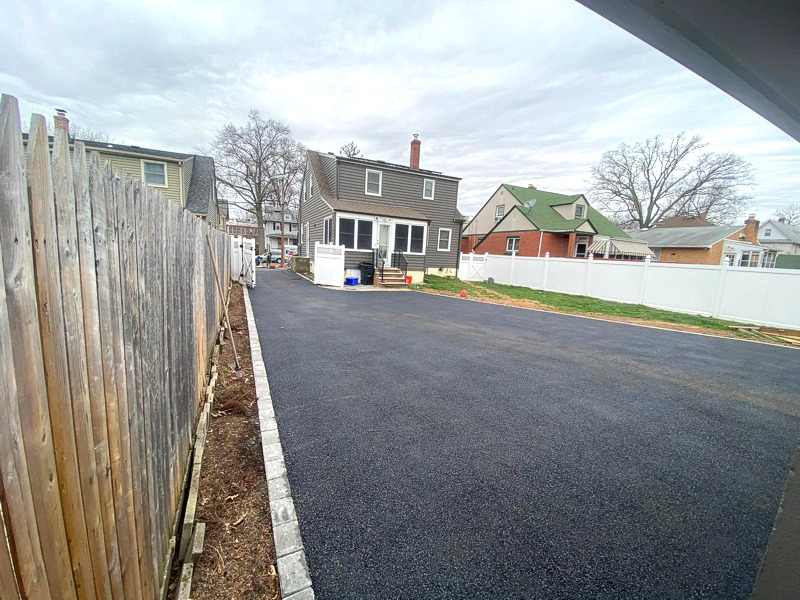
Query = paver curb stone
x=293 y=573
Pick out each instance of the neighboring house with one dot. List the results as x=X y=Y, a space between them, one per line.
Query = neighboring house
x=243 y=228
x=187 y=179
x=532 y=222
x=378 y=210
x=272 y=228
x=780 y=236
x=738 y=245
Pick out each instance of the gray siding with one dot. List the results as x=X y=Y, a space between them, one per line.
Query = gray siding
x=404 y=188
x=314 y=210
x=329 y=166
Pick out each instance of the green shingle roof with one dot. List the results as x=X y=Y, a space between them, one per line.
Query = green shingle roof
x=537 y=206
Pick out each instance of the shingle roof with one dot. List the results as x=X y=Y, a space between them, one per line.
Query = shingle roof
x=106 y=147
x=375 y=208
x=684 y=237
x=319 y=175
x=198 y=198
x=684 y=221
x=537 y=206
x=789 y=232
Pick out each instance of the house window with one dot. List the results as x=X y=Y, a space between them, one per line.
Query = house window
x=276 y=227
x=512 y=244
x=373 y=183
x=409 y=238
x=657 y=254
x=749 y=259
x=355 y=234
x=327 y=235
x=729 y=259
x=154 y=173
x=499 y=211
x=579 y=209
x=444 y=240
x=767 y=232
x=769 y=260
x=427 y=189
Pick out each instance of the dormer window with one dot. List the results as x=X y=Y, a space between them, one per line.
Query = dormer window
x=579 y=211
x=428 y=188
x=373 y=183
x=767 y=232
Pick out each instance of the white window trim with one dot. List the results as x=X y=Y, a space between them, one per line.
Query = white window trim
x=356 y=218
x=583 y=208
x=410 y=225
x=511 y=239
x=499 y=217
x=330 y=229
x=449 y=239
x=366 y=182
x=166 y=177
x=433 y=189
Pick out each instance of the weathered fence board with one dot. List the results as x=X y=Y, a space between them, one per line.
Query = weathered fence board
x=31 y=398
x=108 y=314
x=94 y=364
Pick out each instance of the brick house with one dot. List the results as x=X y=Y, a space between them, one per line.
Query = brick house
x=532 y=222
x=709 y=245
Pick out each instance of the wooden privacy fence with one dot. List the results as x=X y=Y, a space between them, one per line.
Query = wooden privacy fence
x=108 y=315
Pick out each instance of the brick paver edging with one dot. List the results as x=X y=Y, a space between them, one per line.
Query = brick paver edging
x=295 y=579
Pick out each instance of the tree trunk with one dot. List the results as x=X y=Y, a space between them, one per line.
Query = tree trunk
x=260 y=245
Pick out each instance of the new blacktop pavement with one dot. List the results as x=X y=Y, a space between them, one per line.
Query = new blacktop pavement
x=442 y=448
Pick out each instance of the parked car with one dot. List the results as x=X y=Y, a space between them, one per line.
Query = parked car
x=275 y=256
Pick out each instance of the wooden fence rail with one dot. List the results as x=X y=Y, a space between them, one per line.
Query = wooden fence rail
x=108 y=316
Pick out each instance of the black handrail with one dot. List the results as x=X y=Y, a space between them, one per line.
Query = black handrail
x=399 y=261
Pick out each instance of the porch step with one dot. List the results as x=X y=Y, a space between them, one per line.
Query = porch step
x=391 y=278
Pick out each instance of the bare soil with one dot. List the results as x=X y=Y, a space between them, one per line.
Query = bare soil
x=238 y=559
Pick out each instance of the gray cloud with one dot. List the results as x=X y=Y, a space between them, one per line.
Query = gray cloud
x=508 y=91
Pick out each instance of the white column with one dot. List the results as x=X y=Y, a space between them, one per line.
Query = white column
x=546 y=267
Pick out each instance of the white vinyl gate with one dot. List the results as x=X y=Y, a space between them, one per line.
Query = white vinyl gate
x=328 y=264
x=243 y=260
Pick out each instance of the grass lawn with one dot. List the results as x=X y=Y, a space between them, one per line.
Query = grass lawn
x=580 y=305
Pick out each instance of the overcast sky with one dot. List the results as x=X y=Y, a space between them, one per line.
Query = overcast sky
x=515 y=92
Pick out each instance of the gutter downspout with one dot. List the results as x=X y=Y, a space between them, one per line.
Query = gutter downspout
x=539 y=252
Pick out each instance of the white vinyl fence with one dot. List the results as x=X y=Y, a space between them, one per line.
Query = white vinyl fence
x=745 y=294
x=243 y=260
x=328 y=264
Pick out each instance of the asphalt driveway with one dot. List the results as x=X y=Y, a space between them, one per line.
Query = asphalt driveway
x=441 y=448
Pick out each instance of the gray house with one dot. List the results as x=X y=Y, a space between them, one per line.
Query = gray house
x=398 y=217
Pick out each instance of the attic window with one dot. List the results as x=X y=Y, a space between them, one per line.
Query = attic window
x=579 y=209
x=154 y=173
x=428 y=188
x=499 y=211
x=373 y=183
x=767 y=232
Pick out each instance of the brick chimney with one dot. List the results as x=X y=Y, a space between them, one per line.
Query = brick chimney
x=751 y=229
x=415 y=145
x=782 y=220
x=531 y=186
x=61 y=120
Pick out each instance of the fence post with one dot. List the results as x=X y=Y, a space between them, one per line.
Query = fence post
x=485 y=266
x=511 y=274
x=587 y=280
x=720 y=291
x=643 y=286
x=546 y=267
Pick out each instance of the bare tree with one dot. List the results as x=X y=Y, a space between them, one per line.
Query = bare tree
x=789 y=213
x=89 y=135
x=639 y=185
x=350 y=150
x=260 y=165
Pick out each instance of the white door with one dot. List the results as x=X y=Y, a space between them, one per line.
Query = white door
x=384 y=240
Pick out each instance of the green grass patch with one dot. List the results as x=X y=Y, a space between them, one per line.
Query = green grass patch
x=582 y=305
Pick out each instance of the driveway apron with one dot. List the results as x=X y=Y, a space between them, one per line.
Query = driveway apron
x=442 y=448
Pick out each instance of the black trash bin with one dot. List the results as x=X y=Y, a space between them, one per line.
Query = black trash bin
x=367 y=273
